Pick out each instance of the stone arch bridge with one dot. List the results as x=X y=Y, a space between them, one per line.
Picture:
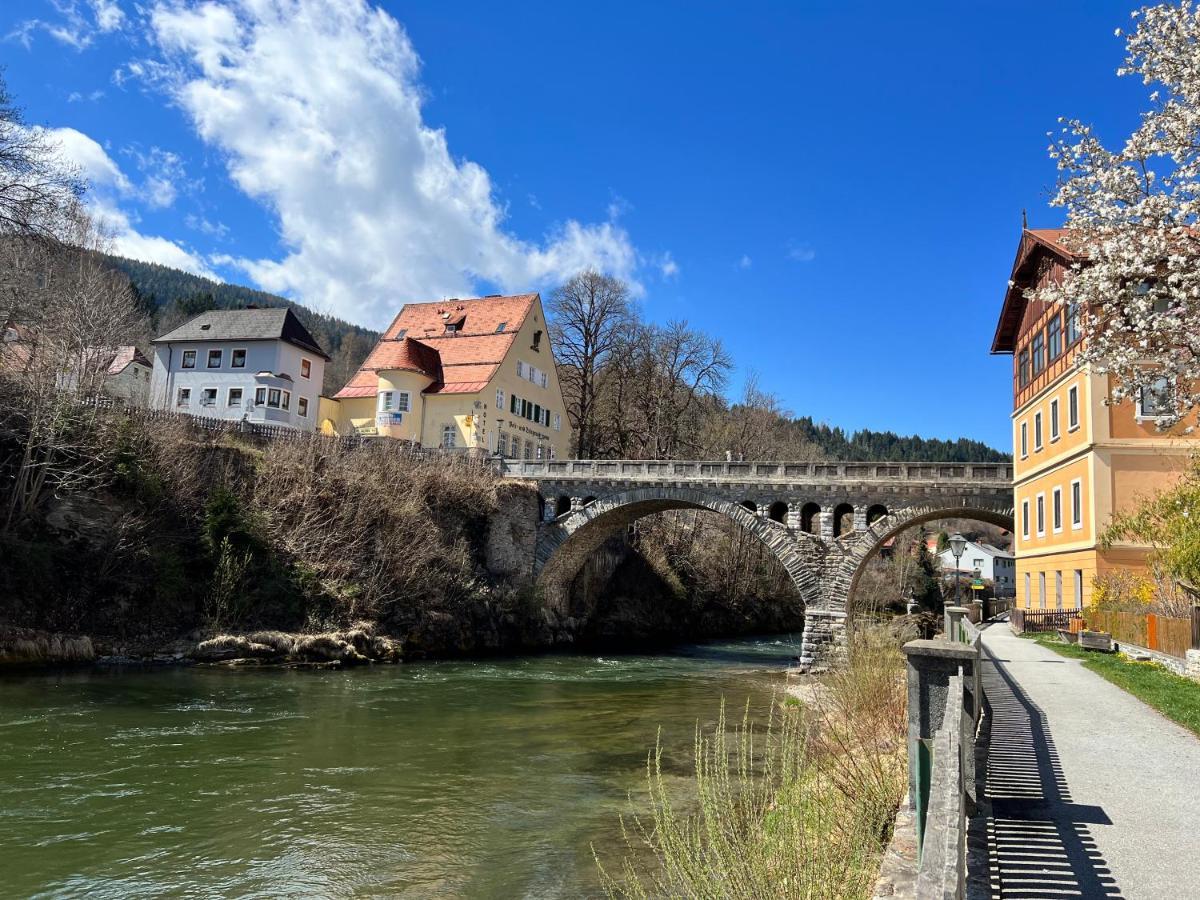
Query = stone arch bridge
x=822 y=520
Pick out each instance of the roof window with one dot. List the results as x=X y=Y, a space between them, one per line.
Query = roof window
x=501 y=327
x=401 y=333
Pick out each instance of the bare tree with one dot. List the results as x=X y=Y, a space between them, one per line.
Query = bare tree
x=587 y=315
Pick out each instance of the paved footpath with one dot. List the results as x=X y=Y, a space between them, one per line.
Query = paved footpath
x=1092 y=793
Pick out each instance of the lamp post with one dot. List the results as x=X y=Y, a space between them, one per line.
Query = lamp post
x=958 y=544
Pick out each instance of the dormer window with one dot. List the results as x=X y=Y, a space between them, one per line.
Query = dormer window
x=450 y=328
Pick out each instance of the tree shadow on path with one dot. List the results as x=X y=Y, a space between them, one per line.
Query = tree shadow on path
x=1037 y=839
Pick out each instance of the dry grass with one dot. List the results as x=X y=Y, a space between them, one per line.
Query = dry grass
x=800 y=809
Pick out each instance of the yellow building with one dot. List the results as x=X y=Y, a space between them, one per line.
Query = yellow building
x=460 y=374
x=1076 y=458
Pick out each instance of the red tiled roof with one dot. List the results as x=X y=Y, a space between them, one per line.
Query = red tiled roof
x=123 y=356
x=463 y=361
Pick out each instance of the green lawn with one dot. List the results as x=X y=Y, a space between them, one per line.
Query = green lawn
x=1175 y=697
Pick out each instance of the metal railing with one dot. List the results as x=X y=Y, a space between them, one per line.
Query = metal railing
x=1028 y=621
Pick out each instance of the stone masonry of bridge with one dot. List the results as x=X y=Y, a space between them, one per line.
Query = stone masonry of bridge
x=797 y=509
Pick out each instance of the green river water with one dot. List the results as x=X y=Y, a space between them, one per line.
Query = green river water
x=462 y=779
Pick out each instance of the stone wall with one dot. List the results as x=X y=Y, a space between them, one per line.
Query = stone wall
x=1192 y=665
x=512 y=532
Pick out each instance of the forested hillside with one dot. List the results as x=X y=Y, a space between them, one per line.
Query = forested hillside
x=887 y=445
x=171 y=296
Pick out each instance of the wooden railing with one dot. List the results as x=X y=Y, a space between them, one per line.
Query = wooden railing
x=1163 y=634
x=1024 y=621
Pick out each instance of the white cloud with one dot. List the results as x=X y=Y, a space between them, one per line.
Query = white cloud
x=108 y=187
x=667 y=266
x=801 y=252
x=74 y=27
x=109 y=15
x=745 y=262
x=316 y=106
x=218 y=230
x=164 y=175
x=77 y=97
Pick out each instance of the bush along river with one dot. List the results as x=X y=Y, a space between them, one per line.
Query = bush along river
x=488 y=778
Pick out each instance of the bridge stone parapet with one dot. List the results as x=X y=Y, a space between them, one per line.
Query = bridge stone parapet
x=822 y=520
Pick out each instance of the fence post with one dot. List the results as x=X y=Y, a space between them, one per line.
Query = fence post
x=953 y=626
x=1196 y=626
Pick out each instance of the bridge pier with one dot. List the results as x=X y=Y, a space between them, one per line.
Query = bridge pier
x=860 y=518
x=824 y=640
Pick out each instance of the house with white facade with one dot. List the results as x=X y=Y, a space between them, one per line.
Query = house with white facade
x=980 y=560
x=254 y=365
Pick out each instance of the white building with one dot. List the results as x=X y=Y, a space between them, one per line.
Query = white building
x=986 y=562
x=256 y=365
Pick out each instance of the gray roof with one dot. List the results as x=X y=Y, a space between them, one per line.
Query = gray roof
x=278 y=323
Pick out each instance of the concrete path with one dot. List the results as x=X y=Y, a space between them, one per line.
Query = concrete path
x=1092 y=793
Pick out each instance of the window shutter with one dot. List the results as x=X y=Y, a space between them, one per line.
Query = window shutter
x=513 y=401
x=537 y=413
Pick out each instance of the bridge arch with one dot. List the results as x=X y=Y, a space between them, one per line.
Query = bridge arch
x=565 y=544
x=842 y=582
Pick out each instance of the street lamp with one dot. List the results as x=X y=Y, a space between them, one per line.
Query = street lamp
x=958 y=544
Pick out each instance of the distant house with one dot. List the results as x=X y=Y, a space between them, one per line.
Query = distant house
x=473 y=374
x=120 y=372
x=980 y=560
x=256 y=365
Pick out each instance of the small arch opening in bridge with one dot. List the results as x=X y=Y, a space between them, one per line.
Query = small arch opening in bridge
x=541 y=508
x=875 y=512
x=808 y=517
x=587 y=500
x=750 y=505
x=778 y=512
x=562 y=506
x=843 y=519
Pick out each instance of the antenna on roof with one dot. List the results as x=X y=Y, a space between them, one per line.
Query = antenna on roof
x=1024 y=221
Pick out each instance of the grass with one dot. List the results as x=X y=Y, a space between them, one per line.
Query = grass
x=797 y=808
x=1174 y=696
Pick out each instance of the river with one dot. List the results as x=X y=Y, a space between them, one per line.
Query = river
x=485 y=778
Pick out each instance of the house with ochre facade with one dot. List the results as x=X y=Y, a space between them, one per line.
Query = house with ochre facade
x=1078 y=458
x=475 y=374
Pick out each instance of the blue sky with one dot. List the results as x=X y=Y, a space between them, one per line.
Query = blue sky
x=834 y=189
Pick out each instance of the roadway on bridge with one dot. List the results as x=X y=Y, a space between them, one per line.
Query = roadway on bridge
x=1092 y=792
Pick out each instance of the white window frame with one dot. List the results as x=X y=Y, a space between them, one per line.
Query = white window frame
x=287 y=401
x=1058 y=589
x=277 y=392
x=515 y=447
x=1039 y=513
x=1055 y=433
x=208 y=358
x=229 y=404
x=1041 y=590
x=1073 y=408
x=233 y=357
x=183 y=397
x=1076 y=507
x=1037 y=431
x=1028 y=591
x=216 y=394
x=385 y=402
x=500 y=398
x=1025 y=518
x=557 y=422
x=1141 y=415
x=1024 y=440
x=552 y=454
x=183 y=360
x=302 y=407
x=305 y=367
x=520 y=369
x=403 y=401
x=449 y=437
x=544 y=378
x=1079 y=588
x=260 y=396
x=1056 y=510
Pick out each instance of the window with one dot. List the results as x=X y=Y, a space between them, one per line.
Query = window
x=501 y=327
x=448 y=436
x=537 y=341
x=1056 y=510
x=287 y=399
x=520 y=369
x=1028 y=592
x=1041 y=515
x=234 y=397
x=1154 y=399
x=545 y=379
x=557 y=422
x=1037 y=430
x=1058 y=589
x=1077 y=503
x=183 y=397
x=537 y=414
x=214 y=358
x=1079 y=588
x=514 y=404
x=541 y=451
x=260 y=395
x=1025 y=519
x=451 y=328
x=552 y=452
x=1072 y=323
x=237 y=359
x=1054 y=420
x=403 y=401
x=1024 y=439
x=545 y=418
x=499 y=398
x=387 y=401
x=1042 y=589
x=1036 y=350
x=1054 y=338
x=1023 y=368
x=208 y=397
x=273 y=398
x=306 y=368
x=977 y=564
x=400 y=334
x=189 y=360
x=529 y=449
x=302 y=407
x=1073 y=408
x=516 y=449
